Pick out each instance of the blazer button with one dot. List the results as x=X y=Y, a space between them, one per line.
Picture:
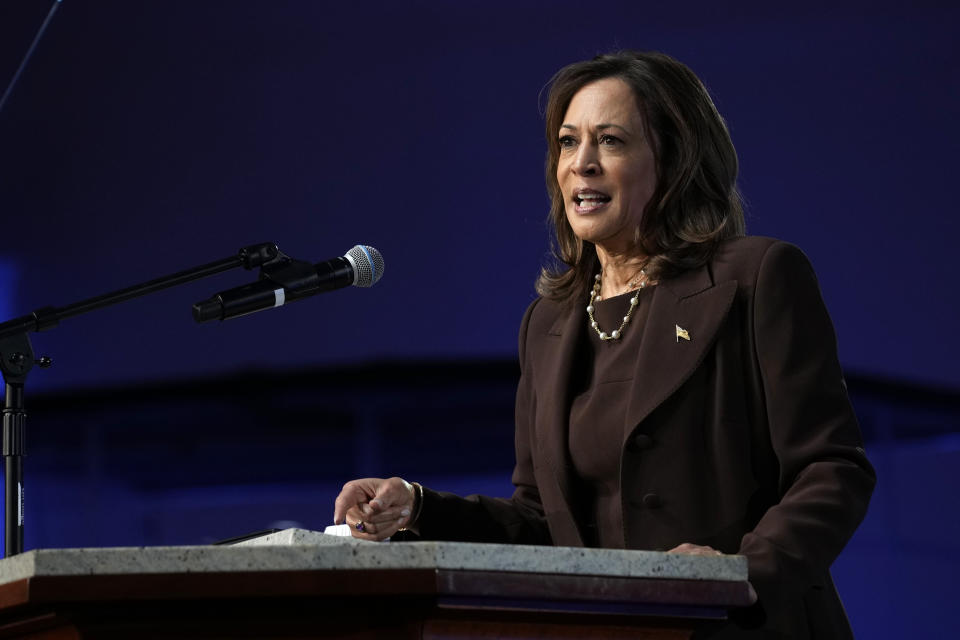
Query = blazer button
x=640 y=442
x=652 y=501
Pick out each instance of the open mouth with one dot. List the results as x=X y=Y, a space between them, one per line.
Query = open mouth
x=587 y=200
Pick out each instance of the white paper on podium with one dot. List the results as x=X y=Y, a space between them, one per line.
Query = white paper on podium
x=338 y=530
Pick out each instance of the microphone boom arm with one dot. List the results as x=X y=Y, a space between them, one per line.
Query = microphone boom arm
x=17 y=358
x=44 y=318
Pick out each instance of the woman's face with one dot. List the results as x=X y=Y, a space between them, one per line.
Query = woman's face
x=606 y=170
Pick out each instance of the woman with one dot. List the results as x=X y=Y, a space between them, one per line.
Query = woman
x=680 y=387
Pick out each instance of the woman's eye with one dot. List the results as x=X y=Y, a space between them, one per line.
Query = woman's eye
x=567 y=142
x=608 y=139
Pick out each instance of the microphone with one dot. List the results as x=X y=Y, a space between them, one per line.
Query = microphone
x=284 y=280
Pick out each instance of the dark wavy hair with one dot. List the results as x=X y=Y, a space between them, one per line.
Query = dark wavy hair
x=696 y=203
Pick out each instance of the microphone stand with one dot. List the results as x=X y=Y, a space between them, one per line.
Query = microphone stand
x=17 y=358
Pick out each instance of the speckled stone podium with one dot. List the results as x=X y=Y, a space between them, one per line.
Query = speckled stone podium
x=303 y=584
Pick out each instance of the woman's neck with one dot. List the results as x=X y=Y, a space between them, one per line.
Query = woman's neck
x=621 y=272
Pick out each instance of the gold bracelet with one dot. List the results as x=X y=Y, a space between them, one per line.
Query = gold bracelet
x=417 y=505
x=417 y=502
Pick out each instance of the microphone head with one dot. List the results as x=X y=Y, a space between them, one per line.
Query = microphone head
x=367 y=265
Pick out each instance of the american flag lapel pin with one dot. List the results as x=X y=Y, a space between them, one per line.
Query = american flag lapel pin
x=682 y=333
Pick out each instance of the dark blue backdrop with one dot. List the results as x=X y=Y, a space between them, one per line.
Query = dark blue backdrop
x=147 y=137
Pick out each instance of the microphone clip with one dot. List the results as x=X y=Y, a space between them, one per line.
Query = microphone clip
x=255 y=255
x=291 y=275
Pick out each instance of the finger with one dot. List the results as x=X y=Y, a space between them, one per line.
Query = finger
x=375 y=522
x=354 y=493
x=695 y=549
x=386 y=520
x=393 y=492
x=361 y=526
x=385 y=514
x=364 y=512
x=703 y=551
x=363 y=529
x=355 y=520
x=347 y=498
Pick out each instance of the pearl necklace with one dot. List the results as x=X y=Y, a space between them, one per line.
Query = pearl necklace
x=634 y=300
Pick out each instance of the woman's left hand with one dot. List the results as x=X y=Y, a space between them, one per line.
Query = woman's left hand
x=375 y=508
x=703 y=550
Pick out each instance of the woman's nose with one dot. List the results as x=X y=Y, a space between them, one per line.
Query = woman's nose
x=586 y=162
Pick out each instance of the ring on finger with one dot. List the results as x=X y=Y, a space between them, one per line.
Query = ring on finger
x=360 y=526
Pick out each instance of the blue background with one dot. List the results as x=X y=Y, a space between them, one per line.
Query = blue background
x=148 y=137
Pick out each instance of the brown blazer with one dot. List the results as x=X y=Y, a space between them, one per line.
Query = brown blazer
x=741 y=438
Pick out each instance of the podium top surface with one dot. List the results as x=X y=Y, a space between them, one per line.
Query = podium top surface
x=300 y=550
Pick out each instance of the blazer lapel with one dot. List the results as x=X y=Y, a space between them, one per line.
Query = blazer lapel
x=554 y=380
x=684 y=317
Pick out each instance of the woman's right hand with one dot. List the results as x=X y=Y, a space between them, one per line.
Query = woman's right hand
x=375 y=508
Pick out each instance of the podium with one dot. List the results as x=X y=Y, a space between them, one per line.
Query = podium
x=298 y=584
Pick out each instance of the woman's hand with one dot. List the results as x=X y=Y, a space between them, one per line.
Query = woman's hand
x=703 y=550
x=374 y=508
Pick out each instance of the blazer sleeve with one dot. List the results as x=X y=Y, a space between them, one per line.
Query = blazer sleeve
x=825 y=480
x=476 y=518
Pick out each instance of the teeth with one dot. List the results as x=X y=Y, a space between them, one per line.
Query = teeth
x=591 y=199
